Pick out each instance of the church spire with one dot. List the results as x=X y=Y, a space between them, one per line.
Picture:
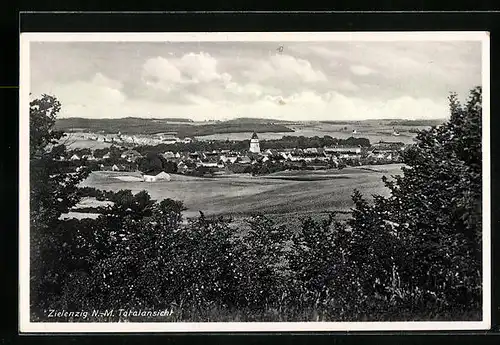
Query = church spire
x=254 y=143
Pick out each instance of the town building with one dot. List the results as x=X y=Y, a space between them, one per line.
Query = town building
x=131 y=155
x=169 y=155
x=353 y=150
x=388 y=146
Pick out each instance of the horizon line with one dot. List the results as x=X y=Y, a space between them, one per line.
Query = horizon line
x=246 y=117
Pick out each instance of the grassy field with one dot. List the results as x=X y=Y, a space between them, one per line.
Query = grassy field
x=281 y=193
x=86 y=144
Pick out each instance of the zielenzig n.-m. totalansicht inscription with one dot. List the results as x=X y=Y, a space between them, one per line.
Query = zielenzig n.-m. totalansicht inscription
x=107 y=313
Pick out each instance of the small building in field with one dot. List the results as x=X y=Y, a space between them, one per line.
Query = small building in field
x=163 y=176
x=154 y=176
x=75 y=157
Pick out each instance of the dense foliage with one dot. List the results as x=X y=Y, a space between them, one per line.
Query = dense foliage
x=415 y=255
x=154 y=162
x=302 y=142
x=53 y=191
x=428 y=232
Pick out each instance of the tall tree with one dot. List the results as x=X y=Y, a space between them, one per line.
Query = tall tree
x=53 y=191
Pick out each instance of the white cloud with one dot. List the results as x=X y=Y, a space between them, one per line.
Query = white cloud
x=99 y=96
x=101 y=80
x=361 y=70
x=285 y=68
x=160 y=69
x=181 y=79
x=345 y=85
x=325 y=53
x=200 y=68
x=190 y=68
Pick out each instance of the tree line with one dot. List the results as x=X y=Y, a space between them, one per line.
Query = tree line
x=286 y=142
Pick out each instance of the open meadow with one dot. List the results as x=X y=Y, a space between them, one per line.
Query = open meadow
x=282 y=194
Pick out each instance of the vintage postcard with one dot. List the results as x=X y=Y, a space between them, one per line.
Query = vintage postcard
x=254 y=182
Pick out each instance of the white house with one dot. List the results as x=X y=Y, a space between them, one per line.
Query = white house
x=131 y=155
x=352 y=150
x=75 y=157
x=207 y=164
x=228 y=158
x=244 y=160
x=163 y=176
x=169 y=155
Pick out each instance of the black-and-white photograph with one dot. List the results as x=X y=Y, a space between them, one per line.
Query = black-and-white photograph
x=246 y=182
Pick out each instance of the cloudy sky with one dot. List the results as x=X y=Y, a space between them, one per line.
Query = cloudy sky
x=223 y=80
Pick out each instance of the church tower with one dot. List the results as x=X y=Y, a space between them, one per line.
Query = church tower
x=254 y=143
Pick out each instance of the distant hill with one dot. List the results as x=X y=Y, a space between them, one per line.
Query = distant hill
x=389 y=122
x=132 y=125
x=417 y=122
x=341 y=122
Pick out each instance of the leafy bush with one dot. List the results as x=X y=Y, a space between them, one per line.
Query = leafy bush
x=427 y=234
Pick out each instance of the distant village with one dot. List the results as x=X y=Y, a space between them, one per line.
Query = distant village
x=124 y=155
x=119 y=138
